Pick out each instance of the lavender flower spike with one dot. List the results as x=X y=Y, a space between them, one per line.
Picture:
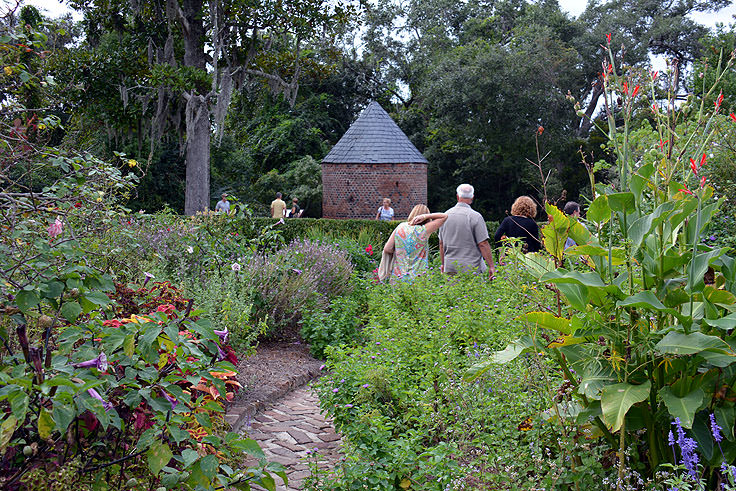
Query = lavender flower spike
x=96 y=395
x=171 y=400
x=100 y=363
x=715 y=429
x=222 y=334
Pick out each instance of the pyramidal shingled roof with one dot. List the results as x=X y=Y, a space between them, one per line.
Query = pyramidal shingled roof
x=374 y=138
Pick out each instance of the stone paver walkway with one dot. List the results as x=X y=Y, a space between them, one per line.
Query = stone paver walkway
x=290 y=428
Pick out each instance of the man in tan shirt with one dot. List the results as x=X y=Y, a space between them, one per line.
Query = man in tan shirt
x=277 y=207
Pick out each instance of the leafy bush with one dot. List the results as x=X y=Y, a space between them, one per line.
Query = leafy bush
x=134 y=400
x=302 y=276
x=339 y=324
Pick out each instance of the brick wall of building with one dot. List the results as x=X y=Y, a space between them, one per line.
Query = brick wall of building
x=356 y=190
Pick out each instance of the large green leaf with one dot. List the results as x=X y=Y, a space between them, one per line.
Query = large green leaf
x=683 y=407
x=71 y=310
x=599 y=211
x=621 y=202
x=616 y=400
x=679 y=343
x=7 y=428
x=547 y=320
x=511 y=352
x=645 y=299
x=726 y=323
x=594 y=380
x=159 y=455
x=564 y=276
x=45 y=424
x=699 y=267
x=26 y=300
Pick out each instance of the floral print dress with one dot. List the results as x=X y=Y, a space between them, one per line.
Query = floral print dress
x=410 y=252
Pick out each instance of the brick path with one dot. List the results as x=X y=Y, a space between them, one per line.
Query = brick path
x=290 y=428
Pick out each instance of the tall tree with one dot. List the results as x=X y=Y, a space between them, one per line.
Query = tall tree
x=201 y=51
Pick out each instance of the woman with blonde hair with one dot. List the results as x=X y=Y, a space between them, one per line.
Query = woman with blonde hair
x=521 y=224
x=408 y=242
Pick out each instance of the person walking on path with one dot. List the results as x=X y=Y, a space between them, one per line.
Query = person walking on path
x=408 y=242
x=521 y=225
x=464 y=237
x=277 y=207
x=223 y=205
x=385 y=212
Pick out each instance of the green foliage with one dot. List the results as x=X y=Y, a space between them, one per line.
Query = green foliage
x=402 y=407
x=340 y=324
x=640 y=327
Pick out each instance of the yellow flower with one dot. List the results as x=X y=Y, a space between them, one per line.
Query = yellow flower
x=99 y=200
x=8 y=70
x=41 y=126
x=132 y=163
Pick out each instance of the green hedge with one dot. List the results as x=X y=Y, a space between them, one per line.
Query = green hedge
x=378 y=231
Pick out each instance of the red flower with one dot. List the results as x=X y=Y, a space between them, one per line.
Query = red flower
x=702 y=182
x=608 y=38
x=718 y=101
x=78 y=204
x=694 y=167
x=654 y=108
x=686 y=190
x=112 y=323
x=369 y=250
x=702 y=161
x=662 y=144
x=626 y=88
x=733 y=116
x=636 y=91
x=654 y=74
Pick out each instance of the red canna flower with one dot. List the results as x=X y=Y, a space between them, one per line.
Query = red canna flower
x=635 y=91
x=608 y=38
x=718 y=101
x=694 y=167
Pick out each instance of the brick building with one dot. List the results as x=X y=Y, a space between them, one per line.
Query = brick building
x=373 y=160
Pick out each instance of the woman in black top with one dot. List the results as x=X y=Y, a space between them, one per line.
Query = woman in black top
x=521 y=224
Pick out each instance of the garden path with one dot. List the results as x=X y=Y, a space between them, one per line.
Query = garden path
x=281 y=412
x=290 y=431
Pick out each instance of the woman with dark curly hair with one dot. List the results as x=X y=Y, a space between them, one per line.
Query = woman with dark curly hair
x=521 y=225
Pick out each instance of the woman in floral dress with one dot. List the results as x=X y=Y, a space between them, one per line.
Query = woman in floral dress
x=408 y=242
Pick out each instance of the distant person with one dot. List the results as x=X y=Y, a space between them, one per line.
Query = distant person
x=573 y=209
x=464 y=237
x=385 y=212
x=294 y=211
x=521 y=225
x=408 y=242
x=278 y=207
x=223 y=205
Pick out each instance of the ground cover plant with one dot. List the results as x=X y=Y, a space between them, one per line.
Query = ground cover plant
x=399 y=399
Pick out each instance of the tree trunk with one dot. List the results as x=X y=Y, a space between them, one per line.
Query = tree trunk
x=197 y=195
x=586 y=121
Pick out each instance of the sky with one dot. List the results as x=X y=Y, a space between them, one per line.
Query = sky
x=573 y=7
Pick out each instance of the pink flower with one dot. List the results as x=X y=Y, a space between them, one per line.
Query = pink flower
x=369 y=250
x=55 y=228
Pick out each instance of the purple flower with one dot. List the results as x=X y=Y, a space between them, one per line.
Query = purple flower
x=93 y=393
x=100 y=363
x=297 y=271
x=149 y=277
x=365 y=386
x=322 y=367
x=715 y=429
x=221 y=355
x=222 y=334
x=171 y=400
x=335 y=390
x=712 y=237
x=687 y=446
x=348 y=405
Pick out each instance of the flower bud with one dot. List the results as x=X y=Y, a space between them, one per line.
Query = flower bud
x=27 y=451
x=44 y=322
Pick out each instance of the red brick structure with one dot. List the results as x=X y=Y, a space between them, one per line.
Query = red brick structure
x=372 y=161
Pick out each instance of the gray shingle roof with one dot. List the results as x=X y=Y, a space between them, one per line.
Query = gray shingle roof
x=374 y=138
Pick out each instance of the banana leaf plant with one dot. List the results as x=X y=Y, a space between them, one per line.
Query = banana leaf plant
x=644 y=324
